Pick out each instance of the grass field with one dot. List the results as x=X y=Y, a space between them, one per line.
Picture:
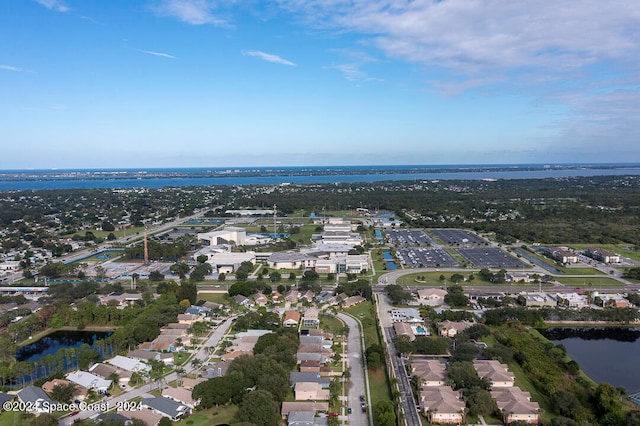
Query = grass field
x=222 y=298
x=212 y=416
x=589 y=283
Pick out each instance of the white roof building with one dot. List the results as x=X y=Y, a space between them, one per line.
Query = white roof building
x=228 y=235
x=128 y=364
x=89 y=381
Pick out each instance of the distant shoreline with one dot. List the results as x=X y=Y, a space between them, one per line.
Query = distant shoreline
x=16 y=180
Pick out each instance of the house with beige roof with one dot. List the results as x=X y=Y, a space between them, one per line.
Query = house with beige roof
x=181 y=395
x=310 y=391
x=432 y=372
x=516 y=405
x=316 y=407
x=431 y=296
x=311 y=318
x=452 y=328
x=442 y=404
x=404 y=329
x=495 y=371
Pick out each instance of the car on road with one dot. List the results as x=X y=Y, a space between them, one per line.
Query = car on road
x=349 y=410
x=74 y=413
x=361 y=398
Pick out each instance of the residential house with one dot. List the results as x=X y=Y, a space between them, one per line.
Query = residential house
x=129 y=364
x=291 y=319
x=78 y=392
x=432 y=372
x=260 y=299
x=311 y=318
x=35 y=398
x=297 y=377
x=431 y=296
x=180 y=395
x=404 y=329
x=291 y=296
x=104 y=371
x=166 y=407
x=305 y=418
x=149 y=417
x=243 y=301
x=516 y=405
x=188 y=319
x=495 y=371
x=451 y=328
x=315 y=407
x=442 y=404
x=352 y=301
x=309 y=391
x=89 y=381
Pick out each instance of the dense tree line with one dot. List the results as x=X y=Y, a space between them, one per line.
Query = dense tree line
x=256 y=384
x=538 y=316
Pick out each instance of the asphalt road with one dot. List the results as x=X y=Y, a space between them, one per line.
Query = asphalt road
x=409 y=407
x=357 y=383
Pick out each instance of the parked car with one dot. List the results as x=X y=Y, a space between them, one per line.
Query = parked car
x=349 y=410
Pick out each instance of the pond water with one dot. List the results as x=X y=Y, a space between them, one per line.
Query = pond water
x=605 y=354
x=51 y=343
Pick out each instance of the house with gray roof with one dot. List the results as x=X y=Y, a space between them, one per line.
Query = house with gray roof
x=166 y=407
x=35 y=398
x=296 y=377
x=305 y=418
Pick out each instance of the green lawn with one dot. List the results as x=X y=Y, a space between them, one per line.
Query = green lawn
x=180 y=358
x=589 y=283
x=212 y=416
x=222 y=298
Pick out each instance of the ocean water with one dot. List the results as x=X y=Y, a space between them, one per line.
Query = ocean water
x=180 y=177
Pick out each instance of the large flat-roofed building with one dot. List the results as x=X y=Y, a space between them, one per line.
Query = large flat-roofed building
x=229 y=262
x=560 y=254
x=601 y=255
x=228 y=235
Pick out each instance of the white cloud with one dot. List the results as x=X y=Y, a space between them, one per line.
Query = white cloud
x=194 y=12
x=162 y=55
x=11 y=68
x=473 y=36
x=57 y=5
x=268 y=57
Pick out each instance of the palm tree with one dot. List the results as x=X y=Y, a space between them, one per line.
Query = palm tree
x=180 y=372
x=196 y=363
x=115 y=379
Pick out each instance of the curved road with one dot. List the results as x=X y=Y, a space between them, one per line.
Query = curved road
x=202 y=355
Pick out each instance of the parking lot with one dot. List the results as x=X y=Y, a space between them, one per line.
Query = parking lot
x=411 y=237
x=425 y=258
x=458 y=237
x=489 y=257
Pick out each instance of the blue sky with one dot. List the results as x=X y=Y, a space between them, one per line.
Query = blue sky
x=161 y=83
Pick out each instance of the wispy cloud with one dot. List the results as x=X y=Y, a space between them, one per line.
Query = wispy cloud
x=162 y=55
x=57 y=5
x=11 y=68
x=471 y=37
x=268 y=57
x=352 y=70
x=194 y=12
